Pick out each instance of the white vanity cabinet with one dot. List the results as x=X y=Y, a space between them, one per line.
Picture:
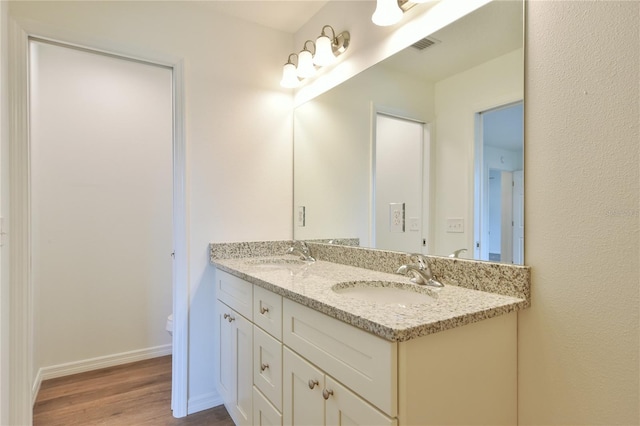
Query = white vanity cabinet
x=282 y=363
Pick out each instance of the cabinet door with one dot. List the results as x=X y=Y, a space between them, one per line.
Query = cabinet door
x=226 y=357
x=264 y=414
x=236 y=356
x=343 y=407
x=302 y=391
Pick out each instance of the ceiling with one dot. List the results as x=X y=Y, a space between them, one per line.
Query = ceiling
x=282 y=15
x=489 y=32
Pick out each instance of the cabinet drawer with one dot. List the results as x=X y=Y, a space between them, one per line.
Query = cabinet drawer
x=235 y=293
x=264 y=414
x=365 y=363
x=267 y=311
x=267 y=366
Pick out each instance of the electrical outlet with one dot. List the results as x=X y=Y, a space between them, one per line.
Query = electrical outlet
x=396 y=217
x=301 y=216
x=455 y=224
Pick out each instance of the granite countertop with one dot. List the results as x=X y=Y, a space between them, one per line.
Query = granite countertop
x=310 y=284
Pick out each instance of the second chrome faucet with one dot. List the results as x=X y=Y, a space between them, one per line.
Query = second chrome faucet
x=301 y=249
x=419 y=271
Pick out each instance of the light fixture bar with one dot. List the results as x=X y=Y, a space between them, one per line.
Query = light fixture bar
x=326 y=49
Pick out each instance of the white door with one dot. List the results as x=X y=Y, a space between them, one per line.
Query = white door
x=398 y=178
x=506 y=218
x=518 y=217
x=101 y=134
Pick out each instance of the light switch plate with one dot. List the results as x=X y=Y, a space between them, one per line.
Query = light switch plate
x=396 y=217
x=301 y=216
x=455 y=224
x=414 y=224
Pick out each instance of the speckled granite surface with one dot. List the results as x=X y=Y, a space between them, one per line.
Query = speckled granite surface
x=508 y=280
x=311 y=284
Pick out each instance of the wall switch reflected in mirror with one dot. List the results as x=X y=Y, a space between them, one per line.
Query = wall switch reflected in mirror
x=455 y=224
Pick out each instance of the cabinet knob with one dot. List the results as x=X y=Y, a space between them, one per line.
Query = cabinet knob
x=264 y=367
x=326 y=393
x=264 y=310
x=312 y=383
x=229 y=317
x=226 y=316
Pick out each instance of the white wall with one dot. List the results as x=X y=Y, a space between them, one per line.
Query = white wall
x=238 y=129
x=578 y=343
x=101 y=185
x=333 y=163
x=457 y=100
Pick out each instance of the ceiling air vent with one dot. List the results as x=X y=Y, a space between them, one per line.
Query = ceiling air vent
x=424 y=43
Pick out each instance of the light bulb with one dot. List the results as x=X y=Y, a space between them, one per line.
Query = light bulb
x=289 y=77
x=387 y=13
x=324 y=52
x=305 y=64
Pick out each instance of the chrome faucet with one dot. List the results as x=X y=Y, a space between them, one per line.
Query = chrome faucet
x=301 y=249
x=456 y=253
x=420 y=271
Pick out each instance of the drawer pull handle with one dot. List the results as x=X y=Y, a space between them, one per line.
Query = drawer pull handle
x=264 y=367
x=312 y=383
x=264 y=310
x=327 y=393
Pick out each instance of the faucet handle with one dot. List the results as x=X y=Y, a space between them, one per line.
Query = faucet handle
x=420 y=259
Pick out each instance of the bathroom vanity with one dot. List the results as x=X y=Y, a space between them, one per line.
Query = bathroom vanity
x=294 y=349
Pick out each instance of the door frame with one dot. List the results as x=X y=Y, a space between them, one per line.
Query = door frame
x=22 y=389
x=479 y=175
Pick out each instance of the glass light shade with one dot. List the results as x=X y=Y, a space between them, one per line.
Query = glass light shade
x=387 y=13
x=305 y=64
x=324 y=52
x=289 y=76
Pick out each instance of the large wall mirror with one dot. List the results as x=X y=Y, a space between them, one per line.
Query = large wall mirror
x=423 y=152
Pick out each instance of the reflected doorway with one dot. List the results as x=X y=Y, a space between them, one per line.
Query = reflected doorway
x=400 y=184
x=499 y=186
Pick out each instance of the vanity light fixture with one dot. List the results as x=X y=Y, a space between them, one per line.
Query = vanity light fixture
x=326 y=49
x=387 y=12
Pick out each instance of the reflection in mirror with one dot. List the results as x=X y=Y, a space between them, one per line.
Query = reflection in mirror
x=402 y=155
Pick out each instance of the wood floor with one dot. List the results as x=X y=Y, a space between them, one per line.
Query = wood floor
x=131 y=394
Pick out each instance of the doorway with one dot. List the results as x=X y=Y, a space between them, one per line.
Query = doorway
x=400 y=184
x=499 y=189
x=101 y=157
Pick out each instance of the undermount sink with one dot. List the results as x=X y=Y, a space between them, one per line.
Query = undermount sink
x=386 y=292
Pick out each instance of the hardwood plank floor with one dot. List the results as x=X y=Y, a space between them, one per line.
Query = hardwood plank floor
x=132 y=394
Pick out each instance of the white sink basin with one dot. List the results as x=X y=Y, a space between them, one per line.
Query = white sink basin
x=386 y=292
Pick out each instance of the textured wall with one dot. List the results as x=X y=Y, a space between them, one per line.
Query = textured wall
x=578 y=343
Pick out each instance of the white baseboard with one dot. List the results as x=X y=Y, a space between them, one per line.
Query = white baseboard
x=90 y=364
x=203 y=402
